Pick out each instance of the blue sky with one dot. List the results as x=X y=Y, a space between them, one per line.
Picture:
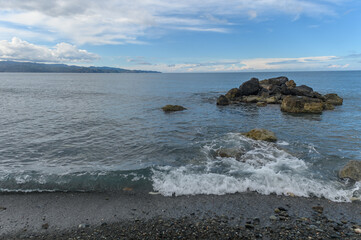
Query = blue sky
x=185 y=36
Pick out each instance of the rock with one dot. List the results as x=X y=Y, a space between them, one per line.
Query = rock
x=318 y=209
x=357 y=230
x=333 y=99
x=352 y=170
x=274 y=81
x=272 y=100
x=285 y=90
x=328 y=106
x=173 y=108
x=233 y=94
x=261 y=104
x=230 y=153
x=45 y=226
x=83 y=225
x=290 y=84
x=261 y=134
x=302 y=90
x=273 y=218
x=294 y=104
x=222 y=100
x=252 y=99
x=250 y=87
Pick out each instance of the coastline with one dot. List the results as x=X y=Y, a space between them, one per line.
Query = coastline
x=56 y=215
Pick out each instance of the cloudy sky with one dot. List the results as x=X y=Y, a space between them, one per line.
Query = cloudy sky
x=185 y=36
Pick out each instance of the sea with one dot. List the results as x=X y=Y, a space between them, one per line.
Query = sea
x=107 y=132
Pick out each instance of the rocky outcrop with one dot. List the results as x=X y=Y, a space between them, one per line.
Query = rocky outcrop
x=299 y=99
x=352 y=170
x=295 y=104
x=173 y=108
x=261 y=134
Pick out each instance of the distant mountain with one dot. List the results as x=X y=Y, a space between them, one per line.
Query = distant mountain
x=9 y=66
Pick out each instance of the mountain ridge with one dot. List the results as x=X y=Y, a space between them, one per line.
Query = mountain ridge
x=11 y=66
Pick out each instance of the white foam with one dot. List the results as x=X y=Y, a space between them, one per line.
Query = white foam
x=264 y=168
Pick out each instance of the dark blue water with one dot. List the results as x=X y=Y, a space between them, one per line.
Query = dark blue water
x=101 y=132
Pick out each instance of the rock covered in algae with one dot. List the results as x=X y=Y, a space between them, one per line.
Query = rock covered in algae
x=261 y=134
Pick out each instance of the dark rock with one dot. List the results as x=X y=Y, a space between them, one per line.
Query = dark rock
x=261 y=134
x=222 y=100
x=233 y=94
x=352 y=170
x=45 y=226
x=294 y=104
x=333 y=99
x=250 y=87
x=274 y=81
x=285 y=90
x=302 y=90
x=173 y=108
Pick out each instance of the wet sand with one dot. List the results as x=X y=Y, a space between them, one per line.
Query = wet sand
x=67 y=215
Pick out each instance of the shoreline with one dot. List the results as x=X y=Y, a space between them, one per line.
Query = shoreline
x=50 y=215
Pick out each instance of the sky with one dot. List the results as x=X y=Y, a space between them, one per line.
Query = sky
x=185 y=36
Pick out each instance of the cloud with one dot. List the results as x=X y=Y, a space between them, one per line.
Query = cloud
x=257 y=64
x=19 y=50
x=124 y=21
x=338 y=66
x=139 y=61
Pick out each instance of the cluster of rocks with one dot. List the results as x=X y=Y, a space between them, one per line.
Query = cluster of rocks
x=281 y=90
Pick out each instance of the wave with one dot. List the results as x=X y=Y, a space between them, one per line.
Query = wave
x=263 y=167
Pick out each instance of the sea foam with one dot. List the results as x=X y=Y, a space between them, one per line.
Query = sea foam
x=264 y=168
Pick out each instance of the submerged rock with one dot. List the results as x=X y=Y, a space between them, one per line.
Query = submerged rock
x=222 y=100
x=230 y=153
x=173 y=108
x=261 y=134
x=352 y=170
x=333 y=99
x=250 y=87
x=294 y=104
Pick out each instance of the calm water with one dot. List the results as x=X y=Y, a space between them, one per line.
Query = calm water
x=101 y=132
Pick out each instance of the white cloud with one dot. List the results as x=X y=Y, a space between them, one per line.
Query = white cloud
x=124 y=21
x=237 y=65
x=338 y=66
x=19 y=50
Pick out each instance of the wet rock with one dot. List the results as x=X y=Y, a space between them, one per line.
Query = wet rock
x=261 y=134
x=333 y=99
x=222 y=101
x=318 y=209
x=352 y=170
x=45 y=226
x=173 y=108
x=294 y=104
x=83 y=225
x=233 y=94
x=261 y=104
x=250 y=87
x=230 y=153
x=273 y=218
